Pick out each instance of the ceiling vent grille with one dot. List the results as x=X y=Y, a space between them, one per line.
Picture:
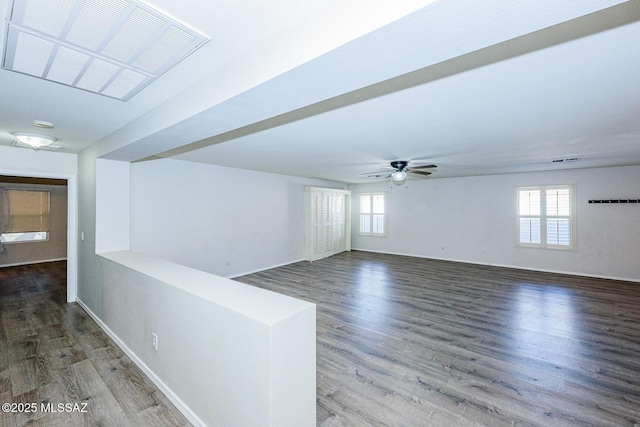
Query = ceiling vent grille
x=110 y=47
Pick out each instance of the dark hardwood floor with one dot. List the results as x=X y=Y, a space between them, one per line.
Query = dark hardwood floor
x=401 y=342
x=414 y=342
x=52 y=353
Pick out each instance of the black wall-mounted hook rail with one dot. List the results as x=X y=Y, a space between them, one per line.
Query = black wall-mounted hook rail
x=616 y=201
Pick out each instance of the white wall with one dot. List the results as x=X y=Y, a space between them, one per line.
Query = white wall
x=89 y=272
x=229 y=354
x=472 y=219
x=46 y=164
x=113 y=205
x=215 y=219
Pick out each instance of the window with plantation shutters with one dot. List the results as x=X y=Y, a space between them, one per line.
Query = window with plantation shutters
x=373 y=220
x=25 y=215
x=546 y=216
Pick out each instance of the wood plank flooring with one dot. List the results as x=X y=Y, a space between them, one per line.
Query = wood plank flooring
x=413 y=342
x=401 y=342
x=53 y=353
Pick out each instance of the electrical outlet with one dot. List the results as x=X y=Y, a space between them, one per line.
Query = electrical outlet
x=154 y=341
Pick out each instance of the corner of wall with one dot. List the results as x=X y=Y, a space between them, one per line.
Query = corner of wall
x=113 y=205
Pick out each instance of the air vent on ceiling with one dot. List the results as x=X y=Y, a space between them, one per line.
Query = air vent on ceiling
x=110 y=47
x=573 y=159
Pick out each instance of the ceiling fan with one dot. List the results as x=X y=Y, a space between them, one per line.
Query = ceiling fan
x=398 y=171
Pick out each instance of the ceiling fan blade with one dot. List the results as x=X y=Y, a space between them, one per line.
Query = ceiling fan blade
x=423 y=167
x=380 y=175
x=419 y=172
x=377 y=172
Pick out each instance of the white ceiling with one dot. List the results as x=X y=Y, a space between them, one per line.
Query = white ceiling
x=334 y=89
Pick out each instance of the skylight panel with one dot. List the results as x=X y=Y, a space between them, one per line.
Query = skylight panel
x=110 y=47
x=138 y=30
x=97 y=75
x=94 y=22
x=49 y=17
x=32 y=54
x=161 y=53
x=67 y=66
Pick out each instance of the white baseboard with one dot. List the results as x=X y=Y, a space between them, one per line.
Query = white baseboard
x=262 y=269
x=17 y=264
x=182 y=407
x=570 y=273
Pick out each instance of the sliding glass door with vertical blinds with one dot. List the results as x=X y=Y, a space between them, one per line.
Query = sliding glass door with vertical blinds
x=327 y=222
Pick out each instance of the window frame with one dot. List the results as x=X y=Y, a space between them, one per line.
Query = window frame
x=544 y=216
x=371 y=213
x=29 y=240
x=18 y=240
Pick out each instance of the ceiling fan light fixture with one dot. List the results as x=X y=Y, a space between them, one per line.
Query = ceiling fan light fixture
x=399 y=177
x=34 y=140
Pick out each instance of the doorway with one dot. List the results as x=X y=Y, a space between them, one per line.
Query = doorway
x=60 y=189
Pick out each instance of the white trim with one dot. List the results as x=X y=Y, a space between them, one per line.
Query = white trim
x=182 y=407
x=234 y=275
x=17 y=264
x=72 y=238
x=542 y=270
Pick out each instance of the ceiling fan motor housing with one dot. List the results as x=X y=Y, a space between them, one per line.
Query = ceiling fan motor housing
x=399 y=164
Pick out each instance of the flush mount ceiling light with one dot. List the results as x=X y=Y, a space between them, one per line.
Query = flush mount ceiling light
x=110 y=47
x=34 y=140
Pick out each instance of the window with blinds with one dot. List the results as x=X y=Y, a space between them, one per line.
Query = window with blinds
x=546 y=216
x=373 y=218
x=25 y=215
